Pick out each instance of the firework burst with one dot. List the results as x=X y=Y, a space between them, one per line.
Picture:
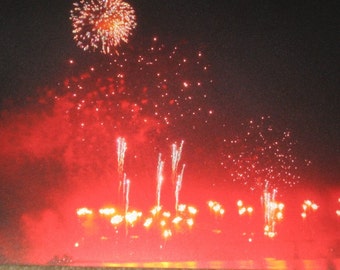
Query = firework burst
x=102 y=25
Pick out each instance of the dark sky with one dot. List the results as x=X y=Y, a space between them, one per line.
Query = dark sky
x=277 y=59
x=271 y=58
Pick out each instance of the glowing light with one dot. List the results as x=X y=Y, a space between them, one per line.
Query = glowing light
x=102 y=25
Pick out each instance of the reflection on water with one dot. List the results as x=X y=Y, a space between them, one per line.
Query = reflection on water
x=267 y=263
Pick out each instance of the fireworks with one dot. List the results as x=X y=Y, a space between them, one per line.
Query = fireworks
x=262 y=156
x=102 y=24
x=140 y=93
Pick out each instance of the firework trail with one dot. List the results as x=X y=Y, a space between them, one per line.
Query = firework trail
x=178 y=187
x=160 y=178
x=121 y=149
x=102 y=24
x=175 y=157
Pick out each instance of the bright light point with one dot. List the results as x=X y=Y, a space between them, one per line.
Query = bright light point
x=222 y=211
x=281 y=206
x=71 y=61
x=76 y=244
x=250 y=210
x=338 y=213
x=185 y=84
x=303 y=215
x=239 y=203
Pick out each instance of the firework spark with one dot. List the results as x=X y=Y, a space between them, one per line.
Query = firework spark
x=102 y=24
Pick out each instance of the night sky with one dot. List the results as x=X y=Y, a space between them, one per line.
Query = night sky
x=272 y=59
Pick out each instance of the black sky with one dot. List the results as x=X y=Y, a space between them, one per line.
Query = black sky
x=269 y=58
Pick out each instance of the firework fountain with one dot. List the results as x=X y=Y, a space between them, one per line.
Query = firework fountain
x=121 y=149
x=178 y=186
x=175 y=157
x=160 y=178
